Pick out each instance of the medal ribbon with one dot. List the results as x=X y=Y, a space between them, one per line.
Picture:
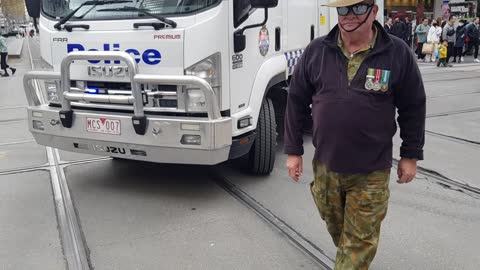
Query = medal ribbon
x=385 y=77
x=378 y=75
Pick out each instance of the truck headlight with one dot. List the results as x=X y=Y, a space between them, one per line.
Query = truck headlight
x=51 y=90
x=208 y=69
x=196 y=101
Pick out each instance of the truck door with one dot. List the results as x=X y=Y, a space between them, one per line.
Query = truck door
x=323 y=18
x=260 y=45
x=301 y=20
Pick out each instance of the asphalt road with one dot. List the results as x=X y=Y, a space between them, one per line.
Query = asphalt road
x=134 y=215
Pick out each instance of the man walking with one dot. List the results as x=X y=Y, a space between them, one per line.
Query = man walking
x=473 y=33
x=448 y=34
x=3 y=57
x=354 y=78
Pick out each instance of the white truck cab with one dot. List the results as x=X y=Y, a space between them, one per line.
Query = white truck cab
x=171 y=81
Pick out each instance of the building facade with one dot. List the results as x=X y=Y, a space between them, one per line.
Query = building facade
x=464 y=9
x=13 y=12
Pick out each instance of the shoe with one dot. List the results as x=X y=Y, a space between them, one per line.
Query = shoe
x=461 y=59
x=5 y=75
x=454 y=61
x=476 y=60
x=449 y=65
x=13 y=70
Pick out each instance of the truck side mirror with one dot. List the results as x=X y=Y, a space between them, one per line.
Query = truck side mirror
x=238 y=36
x=33 y=8
x=263 y=3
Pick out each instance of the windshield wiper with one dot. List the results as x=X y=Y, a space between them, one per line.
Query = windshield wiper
x=59 y=24
x=143 y=11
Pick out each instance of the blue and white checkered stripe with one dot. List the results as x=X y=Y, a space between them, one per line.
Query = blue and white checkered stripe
x=292 y=59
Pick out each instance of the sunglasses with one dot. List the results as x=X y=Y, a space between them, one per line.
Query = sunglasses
x=358 y=9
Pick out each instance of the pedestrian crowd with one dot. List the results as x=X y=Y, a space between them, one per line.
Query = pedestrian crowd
x=438 y=40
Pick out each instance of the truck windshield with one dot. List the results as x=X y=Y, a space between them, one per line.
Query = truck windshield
x=60 y=8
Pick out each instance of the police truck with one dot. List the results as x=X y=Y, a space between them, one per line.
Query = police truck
x=169 y=81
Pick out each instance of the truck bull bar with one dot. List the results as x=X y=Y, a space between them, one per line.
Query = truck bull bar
x=139 y=120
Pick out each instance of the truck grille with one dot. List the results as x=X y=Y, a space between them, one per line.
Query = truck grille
x=156 y=96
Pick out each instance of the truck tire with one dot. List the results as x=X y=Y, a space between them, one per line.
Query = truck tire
x=261 y=157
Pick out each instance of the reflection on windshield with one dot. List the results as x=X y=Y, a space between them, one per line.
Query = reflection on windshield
x=59 y=8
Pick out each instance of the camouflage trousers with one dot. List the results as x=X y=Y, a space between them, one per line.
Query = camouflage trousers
x=353 y=207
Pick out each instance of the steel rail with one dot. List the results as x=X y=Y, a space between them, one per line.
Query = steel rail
x=452 y=138
x=452 y=113
x=73 y=243
x=448 y=182
x=288 y=231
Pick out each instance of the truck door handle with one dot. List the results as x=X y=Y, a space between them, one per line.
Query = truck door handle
x=278 y=39
x=156 y=26
x=69 y=27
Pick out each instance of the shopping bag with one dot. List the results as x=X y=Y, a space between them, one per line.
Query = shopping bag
x=427 y=48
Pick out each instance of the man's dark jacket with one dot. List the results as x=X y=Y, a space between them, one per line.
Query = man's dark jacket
x=473 y=31
x=388 y=28
x=408 y=31
x=399 y=29
x=352 y=126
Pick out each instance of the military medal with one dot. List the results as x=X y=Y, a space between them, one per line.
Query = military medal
x=370 y=77
x=385 y=79
x=376 y=82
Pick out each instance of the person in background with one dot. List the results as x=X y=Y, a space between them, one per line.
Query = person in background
x=442 y=54
x=459 y=42
x=408 y=32
x=4 y=56
x=399 y=28
x=422 y=32
x=388 y=26
x=448 y=35
x=472 y=31
x=433 y=37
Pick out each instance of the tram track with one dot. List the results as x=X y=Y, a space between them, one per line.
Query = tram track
x=74 y=247
x=446 y=182
x=453 y=138
x=76 y=250
x=454 y=94
x=432 y=115
x=288 y=231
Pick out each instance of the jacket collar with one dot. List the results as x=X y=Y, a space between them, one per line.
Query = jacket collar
x=382 y=43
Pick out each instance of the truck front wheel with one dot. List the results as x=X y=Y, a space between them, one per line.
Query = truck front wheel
x=261 y=157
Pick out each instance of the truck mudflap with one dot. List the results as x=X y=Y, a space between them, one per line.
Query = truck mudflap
x=80 y=127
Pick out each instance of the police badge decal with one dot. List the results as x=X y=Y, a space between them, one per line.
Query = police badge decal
x=377 y=80
x=263 y=41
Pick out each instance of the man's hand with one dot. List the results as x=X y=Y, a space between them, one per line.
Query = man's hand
x=295 y=167
x=407 y=169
